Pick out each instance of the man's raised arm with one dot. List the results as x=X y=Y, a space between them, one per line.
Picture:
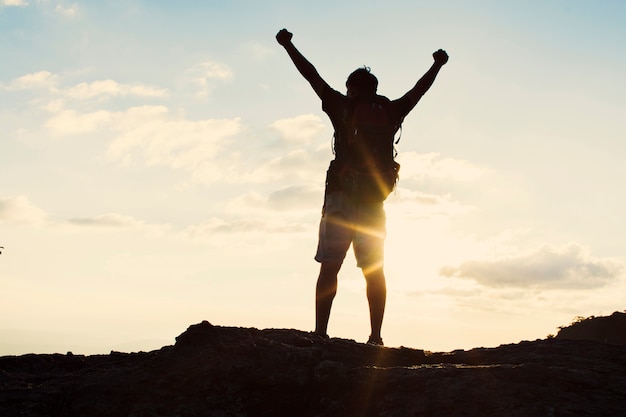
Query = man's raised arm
x=424 y=83
x=307 y=69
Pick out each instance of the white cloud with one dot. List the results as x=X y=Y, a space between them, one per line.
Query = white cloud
x=258 y=51
x=570 y=267
x=201 y=76
x=85 y=90
x=421 y=203
x=432 y=165
x=151 y=135
x=35 y=80
x=301 y=165
x=264 y=226
x=117 y=222
x=403 y=195
x=299 y=129
x=70 y=122
x=107 y=220
x=214 y=70
x=94 y=89
x=20 y=210
x=9 y=3
x=288 y=210
x=296 y=198
x=67 y=11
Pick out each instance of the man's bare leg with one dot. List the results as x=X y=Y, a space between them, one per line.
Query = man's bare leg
x=325 y=294
x=376 y=297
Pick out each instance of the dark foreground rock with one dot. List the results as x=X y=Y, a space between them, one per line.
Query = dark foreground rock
x=226 y=371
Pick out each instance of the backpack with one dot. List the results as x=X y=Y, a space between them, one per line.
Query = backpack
x=364 y=149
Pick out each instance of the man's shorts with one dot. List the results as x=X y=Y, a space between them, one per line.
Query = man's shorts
x=346 y=222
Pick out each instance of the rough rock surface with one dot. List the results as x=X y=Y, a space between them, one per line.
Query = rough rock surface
x=227 y=371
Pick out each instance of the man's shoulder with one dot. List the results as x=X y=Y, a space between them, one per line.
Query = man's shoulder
x=333 y=100
x=330 y=93
x=401 y=106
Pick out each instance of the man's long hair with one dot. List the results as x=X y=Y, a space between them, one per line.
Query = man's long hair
x=363 y=80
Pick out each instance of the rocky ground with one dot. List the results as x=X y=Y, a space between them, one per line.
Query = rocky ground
x=227 y=371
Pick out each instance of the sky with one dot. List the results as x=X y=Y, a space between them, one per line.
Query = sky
x=162 y=163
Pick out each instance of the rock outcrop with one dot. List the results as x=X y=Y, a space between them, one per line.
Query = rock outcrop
x=228 y=371
x=611 y=329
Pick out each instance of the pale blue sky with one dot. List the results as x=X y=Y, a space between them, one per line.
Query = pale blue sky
x=162 y=163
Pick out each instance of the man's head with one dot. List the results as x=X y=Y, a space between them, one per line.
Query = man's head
x=361 y=83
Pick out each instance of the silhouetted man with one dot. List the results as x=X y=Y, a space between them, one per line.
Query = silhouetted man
x=358 y=179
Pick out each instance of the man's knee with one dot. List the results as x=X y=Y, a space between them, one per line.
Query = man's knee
x=330 y=268
x=329 y=271
x=374 y=276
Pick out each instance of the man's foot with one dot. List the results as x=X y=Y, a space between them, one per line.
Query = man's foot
x=375 y=341
x=320 y=335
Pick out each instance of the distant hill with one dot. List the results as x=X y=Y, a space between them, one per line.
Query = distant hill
x=215 y=371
